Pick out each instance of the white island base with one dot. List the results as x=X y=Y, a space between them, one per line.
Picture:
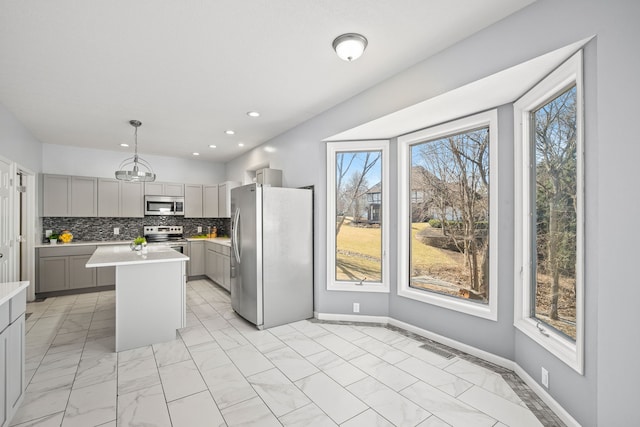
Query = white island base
x=149 y=305
x=150 y=293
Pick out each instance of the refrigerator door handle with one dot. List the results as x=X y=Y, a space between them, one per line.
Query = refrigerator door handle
x=236 y=222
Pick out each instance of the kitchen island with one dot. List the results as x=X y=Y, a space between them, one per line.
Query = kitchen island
x=150 y=293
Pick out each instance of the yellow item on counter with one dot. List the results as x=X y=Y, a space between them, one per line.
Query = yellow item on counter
x=65 y=236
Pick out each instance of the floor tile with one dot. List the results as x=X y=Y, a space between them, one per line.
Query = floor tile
x=340 y=346
x=384 y=372
x=221 y=370
x=181 y=379
x=250 y=413
x=446 y=407
x=53 y=420
x=484 y=378
x=449 y=383
x=145 y=407
x=368 y=418
x=388 y=403
x=197 y=410
x=249 y=360
x=383 y=351
x=291 y=363
x=137 y=374
x=170 y=352
x=96 y=370
x=228 y=386
x=499 y=408
x=278 y=392
x=92 y=405
x=332 y=398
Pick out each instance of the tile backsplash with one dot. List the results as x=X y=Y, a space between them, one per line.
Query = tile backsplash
x=91 y=229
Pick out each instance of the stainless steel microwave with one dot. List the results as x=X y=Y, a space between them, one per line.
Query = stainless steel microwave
x=163 y=205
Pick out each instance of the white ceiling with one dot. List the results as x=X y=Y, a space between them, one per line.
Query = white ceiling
x=75 y=72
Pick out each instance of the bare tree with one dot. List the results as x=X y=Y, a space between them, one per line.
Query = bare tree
x=555 y=142
x=351 y=193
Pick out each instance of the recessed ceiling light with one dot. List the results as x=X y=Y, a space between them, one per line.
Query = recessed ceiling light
x=212 y=146
x=196 y=154
x=229 y=132
x=240 y=144
x=124 y=145
x=253 y=114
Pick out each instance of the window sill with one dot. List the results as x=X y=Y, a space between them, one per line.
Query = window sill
x=353 y=287
x=552 y=342
x=485 y=311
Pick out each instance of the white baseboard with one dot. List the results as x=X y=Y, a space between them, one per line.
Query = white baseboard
x=546 y=397
x=351 y=318
x=484 y=355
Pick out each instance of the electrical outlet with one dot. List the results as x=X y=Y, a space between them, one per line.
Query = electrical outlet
x=545 y=378
x=48 y=233
x=199 y=229
x=356 y=307
x=116 y=231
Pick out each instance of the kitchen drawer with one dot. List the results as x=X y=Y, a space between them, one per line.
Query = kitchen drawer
x=63 y=250
x=17 y=305
x=4 y=315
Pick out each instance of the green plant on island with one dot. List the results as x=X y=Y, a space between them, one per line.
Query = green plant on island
x=139 y=241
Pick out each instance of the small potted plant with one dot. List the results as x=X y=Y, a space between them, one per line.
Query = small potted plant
x=53 y=238
x=138 y=244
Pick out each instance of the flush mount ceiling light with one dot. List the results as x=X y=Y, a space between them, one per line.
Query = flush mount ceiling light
x=350 y=46
x=135 y=162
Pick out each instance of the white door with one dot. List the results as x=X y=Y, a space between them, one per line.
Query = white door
x=6 y=249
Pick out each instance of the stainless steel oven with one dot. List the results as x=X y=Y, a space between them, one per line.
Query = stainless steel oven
x=166 y=235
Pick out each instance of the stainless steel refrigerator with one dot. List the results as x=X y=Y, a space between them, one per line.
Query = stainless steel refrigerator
x=271 y=254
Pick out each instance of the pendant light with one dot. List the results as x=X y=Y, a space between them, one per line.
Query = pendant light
x=350 y=46
x=135 y=174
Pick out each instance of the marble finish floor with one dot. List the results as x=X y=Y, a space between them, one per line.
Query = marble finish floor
x=222 y=371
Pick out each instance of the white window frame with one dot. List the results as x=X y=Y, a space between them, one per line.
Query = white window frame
x=334 y=148
x=484 y=119
x=571 y=353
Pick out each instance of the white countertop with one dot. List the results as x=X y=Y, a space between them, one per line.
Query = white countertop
x=84 y=243
x=219 y=240
x=115 y=255
x=10 y=289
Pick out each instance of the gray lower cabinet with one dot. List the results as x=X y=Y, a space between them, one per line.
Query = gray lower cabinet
x=218 y=264
x=195 y=265
x=12 y=364
x=63 y=268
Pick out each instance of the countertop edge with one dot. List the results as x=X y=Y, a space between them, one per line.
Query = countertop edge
x=12 y=293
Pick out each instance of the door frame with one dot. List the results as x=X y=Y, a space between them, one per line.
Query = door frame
x=31 y=230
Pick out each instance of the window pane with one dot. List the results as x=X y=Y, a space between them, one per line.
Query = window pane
x=359 y=216
x=555 y=225
x=449 y=184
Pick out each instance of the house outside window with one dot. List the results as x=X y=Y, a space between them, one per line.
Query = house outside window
x=447 y=215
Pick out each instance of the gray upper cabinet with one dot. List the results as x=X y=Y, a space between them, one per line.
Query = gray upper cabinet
x=193 y=207
x=131 y=199
x=210 y=201
x=119 y=198
x=84 y=196
x=224 y=198
x=108 y=197
x=56 y=190
x=75 y=196
x=163 y=189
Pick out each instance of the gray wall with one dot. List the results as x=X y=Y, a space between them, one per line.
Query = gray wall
x=17 y=144
x=605 y=395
